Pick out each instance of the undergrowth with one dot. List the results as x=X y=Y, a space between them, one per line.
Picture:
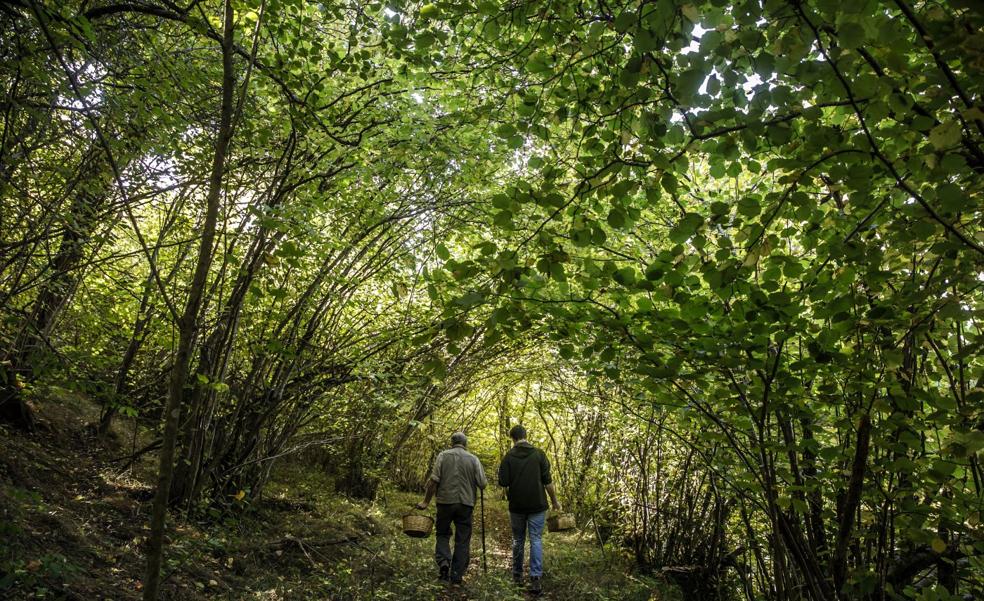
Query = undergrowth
x=72 y=526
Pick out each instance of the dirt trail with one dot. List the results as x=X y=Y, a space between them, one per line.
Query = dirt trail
x=72 y=526
x=496 y=583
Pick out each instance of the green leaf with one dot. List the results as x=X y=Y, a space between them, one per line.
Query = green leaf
x=506 y=130
x=504 y=219
x=625 y=276
x=436 y=368
x=430 y=11
x=749 y=207
x=625 y=21
x=538 y=62
x=945 y=135
x=851 y=35
x=688 y=83
x=557 y=272
x=952 y=198
x=690 y=11
x=686 y=228
x=616 y=218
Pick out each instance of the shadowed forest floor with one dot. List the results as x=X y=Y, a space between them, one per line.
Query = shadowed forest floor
x=73 y=522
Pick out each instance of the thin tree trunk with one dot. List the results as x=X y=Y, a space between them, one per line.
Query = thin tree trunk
x=187 y=327
x=212 y=362
x=852 y=502
x=137 y=337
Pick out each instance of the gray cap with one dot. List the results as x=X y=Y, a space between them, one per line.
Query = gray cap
x=459 y=438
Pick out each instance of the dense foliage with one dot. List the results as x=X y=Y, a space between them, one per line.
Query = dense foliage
x=725 y=259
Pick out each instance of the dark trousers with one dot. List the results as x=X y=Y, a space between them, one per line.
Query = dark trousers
x=461 y=516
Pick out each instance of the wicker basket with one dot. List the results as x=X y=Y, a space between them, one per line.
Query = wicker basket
x=561 y=522
x=417 y=526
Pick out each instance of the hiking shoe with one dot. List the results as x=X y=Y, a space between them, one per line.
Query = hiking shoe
x=536 y=587
x=517 y=579
x=444 y=573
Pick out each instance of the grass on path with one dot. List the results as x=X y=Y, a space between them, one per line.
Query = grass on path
x=390 y=565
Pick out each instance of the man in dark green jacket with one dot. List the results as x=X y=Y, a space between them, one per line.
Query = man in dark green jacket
x=525 y=472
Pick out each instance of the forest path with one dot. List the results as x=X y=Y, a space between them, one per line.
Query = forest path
x=487 y=570
x=72 y=524
x=575 y=567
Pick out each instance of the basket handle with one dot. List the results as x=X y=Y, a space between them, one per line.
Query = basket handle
x=415 y=511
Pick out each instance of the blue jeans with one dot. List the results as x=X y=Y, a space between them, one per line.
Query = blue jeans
x=522 y=524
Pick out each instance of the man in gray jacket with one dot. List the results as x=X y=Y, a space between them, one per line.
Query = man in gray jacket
x=456 y=475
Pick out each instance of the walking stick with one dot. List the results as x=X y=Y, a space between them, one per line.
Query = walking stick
x=485 y=561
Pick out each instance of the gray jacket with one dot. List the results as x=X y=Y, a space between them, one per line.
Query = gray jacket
x=457 y=474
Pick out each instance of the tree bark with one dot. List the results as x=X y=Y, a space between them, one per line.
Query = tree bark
x=188 y=324
x=13 y=407
x=852 y=500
